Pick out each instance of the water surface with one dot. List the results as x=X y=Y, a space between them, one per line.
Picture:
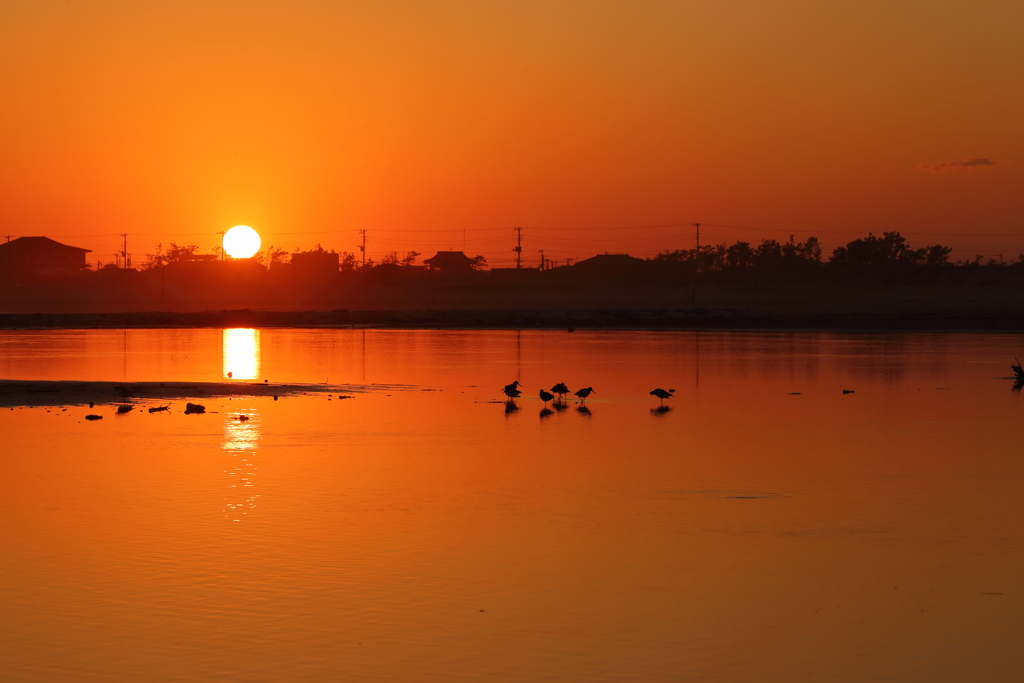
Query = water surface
x=766 y=527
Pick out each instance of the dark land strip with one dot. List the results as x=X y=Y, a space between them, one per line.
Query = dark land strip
x=652 y=319
x=69 y=392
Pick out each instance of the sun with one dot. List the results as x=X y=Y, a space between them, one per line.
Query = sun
x=241 y=241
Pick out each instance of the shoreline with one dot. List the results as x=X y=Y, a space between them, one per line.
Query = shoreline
x=600 y=319
x=42 y=393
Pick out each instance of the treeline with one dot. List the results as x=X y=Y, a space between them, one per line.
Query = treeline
x=887 y=257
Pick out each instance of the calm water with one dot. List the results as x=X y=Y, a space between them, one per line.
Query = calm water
x=424 y=533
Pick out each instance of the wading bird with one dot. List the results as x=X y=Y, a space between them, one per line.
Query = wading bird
x=560 y=389
x=546 y=396
x=662 y=394
x=512 y=390
x=583 y=393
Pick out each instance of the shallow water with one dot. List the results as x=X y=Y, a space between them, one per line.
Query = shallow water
x=766 y=527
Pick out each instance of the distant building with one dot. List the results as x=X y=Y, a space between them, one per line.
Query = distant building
x=610 y=263
x=449 y=262
x=26 y=256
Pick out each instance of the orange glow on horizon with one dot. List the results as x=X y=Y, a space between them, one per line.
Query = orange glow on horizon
x=442 y=128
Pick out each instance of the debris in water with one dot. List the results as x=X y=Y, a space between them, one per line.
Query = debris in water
x=93 y=417
x=194 y=408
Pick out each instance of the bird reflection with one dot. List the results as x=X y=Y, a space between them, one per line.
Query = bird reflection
x=510 y=406
x=546 y=412
x=1018 y=385
x=559 y=405
x=660 y=410
x=584 y=410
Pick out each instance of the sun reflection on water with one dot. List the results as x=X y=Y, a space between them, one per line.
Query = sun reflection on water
x=241 y=353
x=241 y=441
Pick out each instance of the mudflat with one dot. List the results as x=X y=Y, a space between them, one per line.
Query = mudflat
x=149 y=394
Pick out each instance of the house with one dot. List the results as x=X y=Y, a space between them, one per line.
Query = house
x=449 y=262
x=27 y=256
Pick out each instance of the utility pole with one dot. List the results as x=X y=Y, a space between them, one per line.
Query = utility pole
x=8 y=237
x=518 y=248
x=362 y=247
x=221 y=233
x=696 y=269
x=125 y=258
x=541 y=258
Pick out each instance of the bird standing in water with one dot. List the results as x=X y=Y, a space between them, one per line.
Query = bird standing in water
x=561 y=390
x=512 y=390
x=546 y=396
x=662 y=394
x=583 y=393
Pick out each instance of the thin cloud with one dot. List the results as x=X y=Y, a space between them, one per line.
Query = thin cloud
x=944 y=167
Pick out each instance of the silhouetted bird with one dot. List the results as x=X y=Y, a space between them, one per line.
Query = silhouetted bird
x=560 y=389
x=662 y=394
x=546 y=396
x=847 y=391
x=512 y=390
x=584 y=392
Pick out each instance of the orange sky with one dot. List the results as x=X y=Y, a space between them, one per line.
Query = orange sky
x=442 y=124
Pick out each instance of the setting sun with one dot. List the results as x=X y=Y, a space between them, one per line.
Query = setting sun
x=241 y=241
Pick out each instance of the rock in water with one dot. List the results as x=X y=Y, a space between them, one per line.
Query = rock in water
x=194 y=408
x=93 y=417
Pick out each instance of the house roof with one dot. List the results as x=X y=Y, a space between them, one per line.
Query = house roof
x=25 y=244
x=610 y=262
x=448 y=259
